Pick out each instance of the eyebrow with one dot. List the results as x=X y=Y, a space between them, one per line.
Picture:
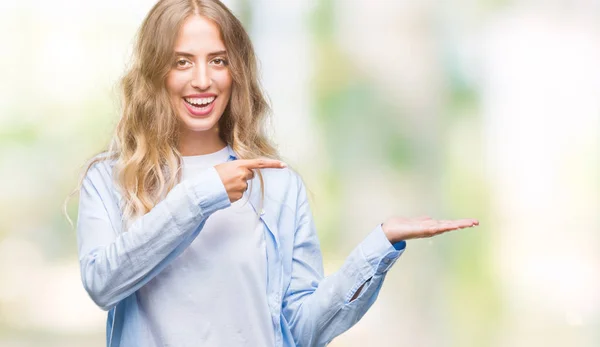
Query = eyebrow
x=212 y=54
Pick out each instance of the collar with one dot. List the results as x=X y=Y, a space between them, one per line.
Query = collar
x=232 y=155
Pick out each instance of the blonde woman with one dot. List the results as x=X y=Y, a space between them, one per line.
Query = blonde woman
x=174 y=245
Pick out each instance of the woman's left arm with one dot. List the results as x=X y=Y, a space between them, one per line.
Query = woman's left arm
x=319 y=308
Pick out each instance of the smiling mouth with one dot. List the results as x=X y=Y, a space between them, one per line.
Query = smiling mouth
x=200 y=103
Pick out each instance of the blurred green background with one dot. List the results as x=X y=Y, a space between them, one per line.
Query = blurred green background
x=456 y=109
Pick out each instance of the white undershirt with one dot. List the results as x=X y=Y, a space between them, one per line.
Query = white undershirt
x=217 y=288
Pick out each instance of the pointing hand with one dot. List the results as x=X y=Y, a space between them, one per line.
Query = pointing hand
x=235 y=174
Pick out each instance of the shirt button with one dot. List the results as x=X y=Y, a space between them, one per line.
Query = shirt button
x=262 y=212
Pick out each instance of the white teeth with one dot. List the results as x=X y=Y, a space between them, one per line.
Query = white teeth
x=200 y=101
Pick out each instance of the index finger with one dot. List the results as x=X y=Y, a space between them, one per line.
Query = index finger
x=262 y=163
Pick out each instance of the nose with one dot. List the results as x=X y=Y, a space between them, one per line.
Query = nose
x=201 y=79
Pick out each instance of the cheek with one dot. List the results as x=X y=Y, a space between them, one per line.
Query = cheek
x=225 y=81
x=174 y=83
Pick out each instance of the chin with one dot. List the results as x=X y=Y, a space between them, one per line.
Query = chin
x=198 y=125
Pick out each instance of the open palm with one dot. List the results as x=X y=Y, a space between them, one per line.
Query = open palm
x=397 y=229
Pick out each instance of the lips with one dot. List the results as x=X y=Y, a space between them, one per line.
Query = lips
x=198 y=106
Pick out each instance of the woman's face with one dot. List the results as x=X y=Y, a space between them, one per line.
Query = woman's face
x=199 y=82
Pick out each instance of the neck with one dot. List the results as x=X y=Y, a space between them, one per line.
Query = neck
x=200 y=142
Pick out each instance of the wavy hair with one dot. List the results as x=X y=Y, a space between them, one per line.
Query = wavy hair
x=144 y=145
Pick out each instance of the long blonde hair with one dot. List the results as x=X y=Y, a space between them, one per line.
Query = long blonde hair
x=145 y=142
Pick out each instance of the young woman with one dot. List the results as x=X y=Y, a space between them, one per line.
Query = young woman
x=171 y=240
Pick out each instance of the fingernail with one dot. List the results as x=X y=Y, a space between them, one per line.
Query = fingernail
x=283 y=164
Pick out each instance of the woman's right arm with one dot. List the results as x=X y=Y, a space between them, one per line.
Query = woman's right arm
x=115 y=265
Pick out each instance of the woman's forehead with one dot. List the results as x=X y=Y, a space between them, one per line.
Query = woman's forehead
x=199 y=35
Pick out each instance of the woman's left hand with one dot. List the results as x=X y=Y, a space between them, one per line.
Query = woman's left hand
x=398 y=229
